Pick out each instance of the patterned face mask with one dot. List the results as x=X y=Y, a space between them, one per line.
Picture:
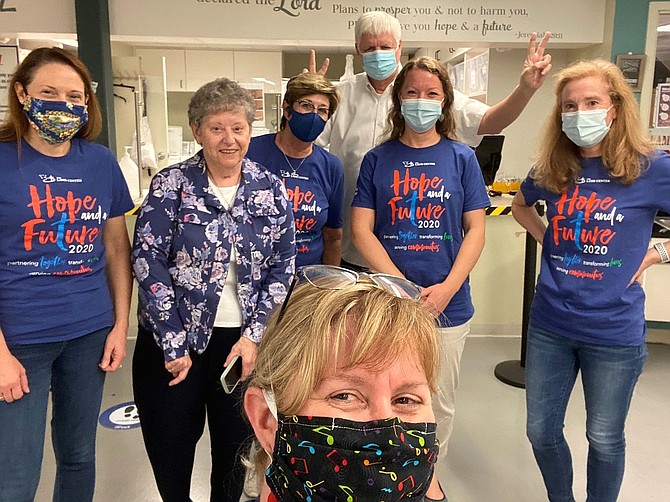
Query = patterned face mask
x=320 y=459
x=55 y=121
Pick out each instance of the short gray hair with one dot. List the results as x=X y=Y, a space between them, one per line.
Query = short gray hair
x=220 y=95
x=377 y=22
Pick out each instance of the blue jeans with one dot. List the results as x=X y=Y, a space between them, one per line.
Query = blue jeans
x=70 y=369
x=609 y=375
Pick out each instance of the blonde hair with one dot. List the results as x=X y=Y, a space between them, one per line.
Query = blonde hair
x=319 y=327
x=367 y=325
x=624 y=149
x=306 y=84
x=446 y=125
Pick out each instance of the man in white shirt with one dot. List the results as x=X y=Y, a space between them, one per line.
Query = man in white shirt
x=358 y=123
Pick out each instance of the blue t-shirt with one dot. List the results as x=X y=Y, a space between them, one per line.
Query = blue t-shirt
x=315 y=190
x=52 y=259
x=419 y=196
x=598 y=233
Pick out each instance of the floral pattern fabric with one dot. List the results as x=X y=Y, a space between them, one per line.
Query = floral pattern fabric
x=182 y=247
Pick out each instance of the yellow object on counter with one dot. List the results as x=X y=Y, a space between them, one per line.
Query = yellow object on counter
x=506 y=185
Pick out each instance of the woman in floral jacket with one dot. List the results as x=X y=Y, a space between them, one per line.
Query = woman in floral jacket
x=213 y=255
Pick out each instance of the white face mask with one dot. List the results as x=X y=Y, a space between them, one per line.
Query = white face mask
x=586 y=128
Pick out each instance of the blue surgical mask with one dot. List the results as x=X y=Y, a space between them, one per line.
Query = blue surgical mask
x=306 y=126
x=380 y=65
x=55 y=121
x=586 y=128
x=421 y=114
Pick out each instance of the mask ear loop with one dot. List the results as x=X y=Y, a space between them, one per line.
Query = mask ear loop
x=269 y=396
x=612 y=122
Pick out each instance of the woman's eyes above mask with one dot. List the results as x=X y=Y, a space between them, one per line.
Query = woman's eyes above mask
x=344 y=397
x=589 y=105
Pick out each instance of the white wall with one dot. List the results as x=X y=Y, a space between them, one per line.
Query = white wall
x=521 y=137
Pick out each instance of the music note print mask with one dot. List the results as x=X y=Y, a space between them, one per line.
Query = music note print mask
x=327 y=459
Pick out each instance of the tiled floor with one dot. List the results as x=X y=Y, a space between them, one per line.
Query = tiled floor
x=489 y=456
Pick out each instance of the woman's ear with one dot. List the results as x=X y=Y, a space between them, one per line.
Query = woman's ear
x=20 y=92
x=286 y=108
x=196 y=133
x=261 y=418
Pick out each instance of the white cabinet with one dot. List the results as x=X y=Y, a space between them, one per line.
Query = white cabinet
x=205 y=66
x=187 y=70
x=175 y=66
x=267 y=66
x=471 y=75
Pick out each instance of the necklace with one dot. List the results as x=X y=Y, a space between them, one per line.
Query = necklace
x=226 y=201
x=294 y=169
x=279 y=139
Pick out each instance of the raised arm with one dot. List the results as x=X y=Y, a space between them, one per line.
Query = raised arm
x=535 y=69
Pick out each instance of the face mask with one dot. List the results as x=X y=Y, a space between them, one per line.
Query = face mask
x=332 y=459
x=306 y=126
x=379 y=65
x=55 y=121
x=421 y=114
x=586 y=128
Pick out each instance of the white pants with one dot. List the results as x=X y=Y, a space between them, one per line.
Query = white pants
x=452 y=342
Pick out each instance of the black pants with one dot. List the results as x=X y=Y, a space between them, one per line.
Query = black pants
x=173 y=418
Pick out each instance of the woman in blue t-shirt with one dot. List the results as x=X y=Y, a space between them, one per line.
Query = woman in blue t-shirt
x=65 y=279
x=419 y=212
x=313 y=177
x=602 y=183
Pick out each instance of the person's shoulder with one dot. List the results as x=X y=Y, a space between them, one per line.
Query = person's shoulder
x=389 y=148
x=353 y=85
x=327 y=156
x=389 y=144
x=458 y=147
x=8 y=148
x=262 y=140
x=259 y=145
x=258 y=175
x=191 y=168
x=659 y=158
x=91 y=148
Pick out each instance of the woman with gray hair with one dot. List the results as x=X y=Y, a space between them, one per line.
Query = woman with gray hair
x=213 y=255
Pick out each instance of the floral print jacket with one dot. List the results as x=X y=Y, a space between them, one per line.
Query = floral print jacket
x=182 y=246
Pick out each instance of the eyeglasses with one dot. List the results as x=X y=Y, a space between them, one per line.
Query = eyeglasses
x=332 y=277
x=308 y=107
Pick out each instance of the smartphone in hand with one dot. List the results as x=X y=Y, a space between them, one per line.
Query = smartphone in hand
x=232 y=375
